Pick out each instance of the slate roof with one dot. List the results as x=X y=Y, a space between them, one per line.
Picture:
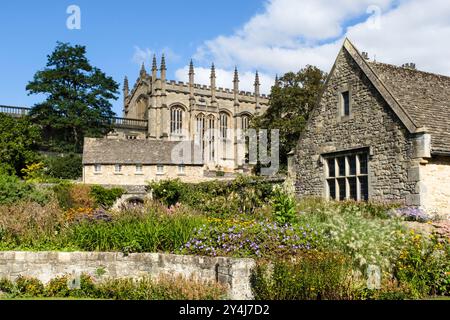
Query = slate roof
x=146 y=152
x=424 y=96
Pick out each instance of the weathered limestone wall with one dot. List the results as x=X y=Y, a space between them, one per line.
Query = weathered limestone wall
x=435 y=186
x=129 y=176
x=372 y=124
x=47 y=265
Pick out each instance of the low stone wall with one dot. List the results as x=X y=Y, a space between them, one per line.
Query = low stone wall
x=47 y=265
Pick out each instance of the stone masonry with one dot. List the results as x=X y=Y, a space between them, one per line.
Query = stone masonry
x=235 y=273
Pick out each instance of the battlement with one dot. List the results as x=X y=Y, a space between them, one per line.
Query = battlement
x=203 y=87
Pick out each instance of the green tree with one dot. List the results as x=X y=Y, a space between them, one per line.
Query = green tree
x=77 y=98
x=18 y=143
x=291 y=101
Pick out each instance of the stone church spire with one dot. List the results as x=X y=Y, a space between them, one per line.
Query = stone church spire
x=163 y=67
x=154 y=68
x=143 y=73
x=191 y=83
x=126 y=88
x=213 y=84
x=236 y=86
x=163 y=74
x=257 y=91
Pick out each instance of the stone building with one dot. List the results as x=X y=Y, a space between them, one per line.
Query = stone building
x=135 y=162
x=380 y=132
x=214 y=118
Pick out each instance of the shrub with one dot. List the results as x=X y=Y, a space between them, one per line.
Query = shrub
x=310 y=276
x=12 y=190
x=284 y=207
x=424 y=265
x=73 y=195
x=29 y=286
x=243 y=195
x=249 y=239
x=6 y=286
x=57 y=287
x=168 y=192
x=106 y=197
x=28 y=224
x=163 y=288
x=64 y=167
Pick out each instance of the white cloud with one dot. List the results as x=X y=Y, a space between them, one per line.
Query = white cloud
x=146 y=55
x=290 y=34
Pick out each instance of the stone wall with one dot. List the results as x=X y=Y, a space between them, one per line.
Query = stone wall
x=47 y=265
x=371 y=124
x=129 y=176
x=435 y=187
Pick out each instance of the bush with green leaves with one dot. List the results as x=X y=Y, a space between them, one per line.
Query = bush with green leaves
x=424 y=265
x=309 y=276
x=284 y=207
x=13 y=190
x=106 y=197
x=68 y=166
x=243 y=195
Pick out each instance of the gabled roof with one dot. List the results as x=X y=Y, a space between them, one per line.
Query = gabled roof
x=420 y=99
x=146 y=152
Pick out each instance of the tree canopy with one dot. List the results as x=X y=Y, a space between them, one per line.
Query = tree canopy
x=291 y=100
x=77 y=98
x=18 y=143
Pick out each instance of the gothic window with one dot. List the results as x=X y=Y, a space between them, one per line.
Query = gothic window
x=347 y=176
x=211 y=137
x=176 y=120
x=223 y=125
x=200 y=131
x=245 y=123
x=245 y=127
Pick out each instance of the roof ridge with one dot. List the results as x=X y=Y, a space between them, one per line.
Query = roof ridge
x=409 y=70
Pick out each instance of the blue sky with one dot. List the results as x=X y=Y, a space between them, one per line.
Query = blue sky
x=111 y=30
x=271 y=36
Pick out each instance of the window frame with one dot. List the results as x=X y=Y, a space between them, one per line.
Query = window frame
x=181 y=169
x=176 y=120
x=160 y=172
x=139 y=168
x=361 y=179
x=341 y=103
x=97 y=165
x=117 y=168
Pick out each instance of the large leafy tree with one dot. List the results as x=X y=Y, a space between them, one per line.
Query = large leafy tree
x=18 y=143
x=77 y=98
x=292 y=98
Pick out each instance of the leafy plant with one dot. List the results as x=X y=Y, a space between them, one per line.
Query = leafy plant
x=309 y=276
x=284 y=207
x=424 y=265
x=106 y=197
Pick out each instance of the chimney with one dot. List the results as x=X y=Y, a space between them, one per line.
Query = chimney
x=365 y=55
x=409 y=65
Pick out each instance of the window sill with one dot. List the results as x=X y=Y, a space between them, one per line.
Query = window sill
x=118 y=173
x=346 y=118
x=181 y=174
x=160 y=174
x=138 y=174
x=98 y=173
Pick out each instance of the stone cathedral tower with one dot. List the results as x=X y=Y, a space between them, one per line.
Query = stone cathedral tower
x=159 y=109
